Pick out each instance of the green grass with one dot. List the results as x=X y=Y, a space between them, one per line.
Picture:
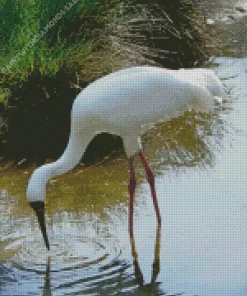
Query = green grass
x=70 y=35
x=39 y=78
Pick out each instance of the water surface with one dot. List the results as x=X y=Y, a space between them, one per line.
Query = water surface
x=201 y=249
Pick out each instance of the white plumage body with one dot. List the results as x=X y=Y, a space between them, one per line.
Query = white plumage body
x=123 y=103
x=129 y=99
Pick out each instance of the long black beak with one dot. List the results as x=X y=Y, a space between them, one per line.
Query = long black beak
x=39 y=209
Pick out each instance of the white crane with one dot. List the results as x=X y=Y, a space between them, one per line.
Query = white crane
x=125 y=103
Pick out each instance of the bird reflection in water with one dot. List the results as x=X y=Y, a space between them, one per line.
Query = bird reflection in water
x=47 y=284
x=143 y=288
x=156 y=262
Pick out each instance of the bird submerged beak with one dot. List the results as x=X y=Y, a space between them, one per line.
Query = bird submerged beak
x=39 y=209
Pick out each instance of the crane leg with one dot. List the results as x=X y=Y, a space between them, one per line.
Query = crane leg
x=132 y=187
x=150 y=178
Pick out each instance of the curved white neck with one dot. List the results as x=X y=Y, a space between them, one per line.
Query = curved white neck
x=70 y=158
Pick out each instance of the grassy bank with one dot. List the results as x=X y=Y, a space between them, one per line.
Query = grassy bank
x=52 y=50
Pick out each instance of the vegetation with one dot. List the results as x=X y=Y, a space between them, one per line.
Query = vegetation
x=52 y=49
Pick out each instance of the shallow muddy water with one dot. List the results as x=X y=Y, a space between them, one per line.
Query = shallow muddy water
x=200 y=164
x=201 y=249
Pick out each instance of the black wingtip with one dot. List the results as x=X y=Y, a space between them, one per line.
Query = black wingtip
x=39 y=209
